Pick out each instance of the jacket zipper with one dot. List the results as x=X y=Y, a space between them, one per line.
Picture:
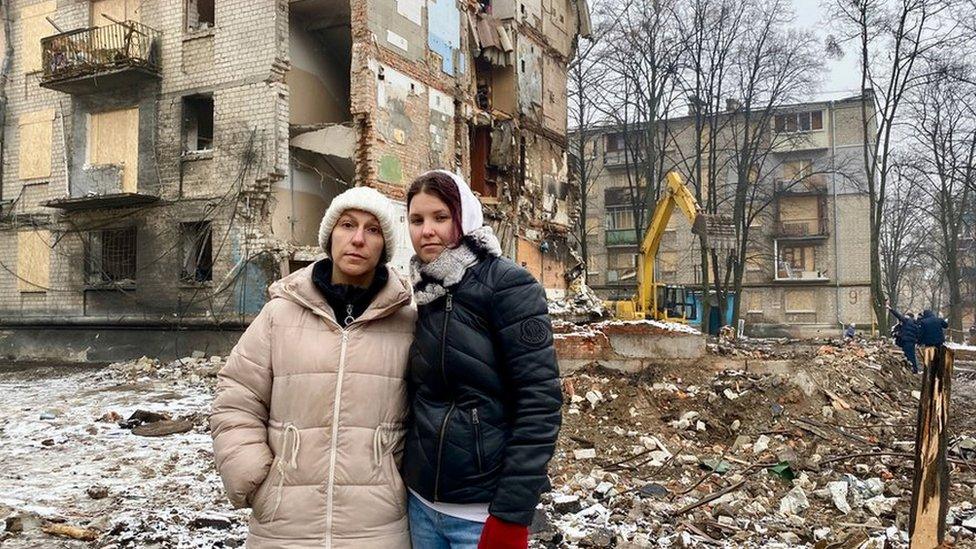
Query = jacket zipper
x=335 y=435
x=448 y=307
x=477 y=436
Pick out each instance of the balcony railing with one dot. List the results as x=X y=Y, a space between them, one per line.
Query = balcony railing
x=621 y=237
x=811 y=185
x=802 y=228
x=787 y=272
x=72 y=59
x=619 y=158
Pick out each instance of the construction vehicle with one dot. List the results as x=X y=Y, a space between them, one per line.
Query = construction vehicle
x=670 y=302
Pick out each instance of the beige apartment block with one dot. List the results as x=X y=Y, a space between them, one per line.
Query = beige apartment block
x=808 y=266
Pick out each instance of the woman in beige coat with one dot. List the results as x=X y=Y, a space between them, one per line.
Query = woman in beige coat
x=308 y=421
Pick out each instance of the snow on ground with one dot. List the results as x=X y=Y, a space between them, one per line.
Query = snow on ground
x=156 y=486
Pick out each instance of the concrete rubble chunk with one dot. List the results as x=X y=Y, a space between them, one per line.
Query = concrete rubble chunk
x=761 y=444
x=838 y=495
x=584 y=453
x=794 y=502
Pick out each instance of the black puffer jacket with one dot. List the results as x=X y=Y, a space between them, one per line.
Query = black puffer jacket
x=931 y=329
x=485 y=393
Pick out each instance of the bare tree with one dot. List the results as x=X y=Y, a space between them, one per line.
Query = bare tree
x=946 y=139
x=892 y=37
x=770 y=68
x=711 y=30
x=641 y=54
x=903 y=233
x=585 y=72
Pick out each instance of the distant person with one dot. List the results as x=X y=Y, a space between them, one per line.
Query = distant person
x=909 y=336
x=931 y=329
x=972 y=334
x=850 y=332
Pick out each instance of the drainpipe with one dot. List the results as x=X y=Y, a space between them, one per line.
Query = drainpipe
x=8 y=55
x=833 y=187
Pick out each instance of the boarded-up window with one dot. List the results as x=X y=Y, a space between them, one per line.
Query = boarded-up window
x=36 y=132
x=797 y=169
x=799 y=301
x=104 y=11
x=33 y=261
x=799 y=208
x=753 y=302
x=33 y=27
x=113 y=139
x=753 y=261
x=111 y=256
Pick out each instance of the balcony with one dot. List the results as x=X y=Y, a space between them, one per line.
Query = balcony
x=786 y=273
x=801 y=229
x=100 y=58
x=617 y=159
x=621 y=237
x=102 y=187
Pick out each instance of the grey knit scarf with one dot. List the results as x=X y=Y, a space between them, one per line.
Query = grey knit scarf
x=432 y=280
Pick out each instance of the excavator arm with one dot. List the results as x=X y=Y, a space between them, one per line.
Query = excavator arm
x=676 y=194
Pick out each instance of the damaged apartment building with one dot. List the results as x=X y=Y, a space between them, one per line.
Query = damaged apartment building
x=164 y=162
x=807 y=268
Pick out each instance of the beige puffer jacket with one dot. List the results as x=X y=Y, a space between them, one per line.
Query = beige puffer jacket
x=308 y=420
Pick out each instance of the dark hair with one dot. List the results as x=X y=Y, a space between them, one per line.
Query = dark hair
x=443 y=187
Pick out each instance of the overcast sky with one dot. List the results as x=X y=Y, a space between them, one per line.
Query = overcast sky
x=842 y=77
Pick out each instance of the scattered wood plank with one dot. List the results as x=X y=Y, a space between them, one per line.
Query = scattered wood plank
x=163 y=428
x=930 y=488
x=709 y=498
x=67 y=531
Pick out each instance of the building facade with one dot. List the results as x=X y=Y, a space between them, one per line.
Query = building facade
x=164 y=162
x=808 y=266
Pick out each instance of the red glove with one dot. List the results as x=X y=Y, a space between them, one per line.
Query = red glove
x=499 y=534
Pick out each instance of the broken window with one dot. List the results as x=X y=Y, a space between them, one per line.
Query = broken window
x=615 y=142
x=799 y=122
x=199 y=14
x=197 y=250
x=111 y=256
x=198 y=123
x=483 y=175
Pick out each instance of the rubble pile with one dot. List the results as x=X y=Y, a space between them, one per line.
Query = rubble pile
x=117 y=457
x=807 y=444
x=191 y=370
x=816 y=455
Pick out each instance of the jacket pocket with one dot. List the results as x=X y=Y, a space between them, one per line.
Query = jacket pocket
x=263 y=501
x=267 y=499
x=388 y=441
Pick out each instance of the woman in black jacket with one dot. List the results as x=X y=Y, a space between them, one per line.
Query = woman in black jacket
x=485 y=392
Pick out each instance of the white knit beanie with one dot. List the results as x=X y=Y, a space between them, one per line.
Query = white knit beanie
x=365 y=199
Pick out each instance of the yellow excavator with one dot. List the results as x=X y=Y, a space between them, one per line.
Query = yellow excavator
x=655 y=300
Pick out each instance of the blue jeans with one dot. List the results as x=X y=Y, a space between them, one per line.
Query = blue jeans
x=909 y=350
x=432 y=530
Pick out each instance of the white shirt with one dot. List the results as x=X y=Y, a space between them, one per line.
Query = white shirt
x=475 y=512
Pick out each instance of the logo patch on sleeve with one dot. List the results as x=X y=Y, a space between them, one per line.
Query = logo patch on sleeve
x=534 y=332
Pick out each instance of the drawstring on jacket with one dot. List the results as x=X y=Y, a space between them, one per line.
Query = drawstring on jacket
x=292 y=462
x=383 y=441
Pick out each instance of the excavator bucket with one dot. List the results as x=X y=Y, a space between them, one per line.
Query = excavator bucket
x=718 y=230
